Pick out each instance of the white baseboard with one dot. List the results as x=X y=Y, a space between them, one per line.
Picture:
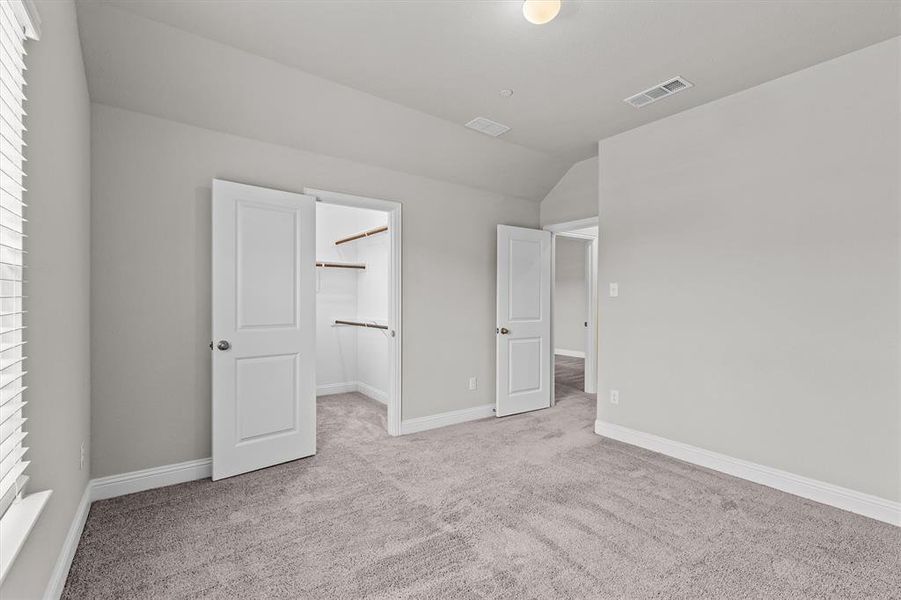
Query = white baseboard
x=70 y=545
x=812 y=489
x=444 y=419
x=573 y=353
x=374 y=393
x=330 y=389
x=148 y=479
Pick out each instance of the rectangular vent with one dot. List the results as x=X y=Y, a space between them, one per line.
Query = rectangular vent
x=488 y=127
x=661 y=90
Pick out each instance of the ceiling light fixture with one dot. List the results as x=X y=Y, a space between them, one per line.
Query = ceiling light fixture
x=539 y=12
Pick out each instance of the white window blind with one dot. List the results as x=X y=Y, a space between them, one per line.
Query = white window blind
x=14 y=27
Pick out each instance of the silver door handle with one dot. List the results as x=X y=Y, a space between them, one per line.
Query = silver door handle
x=504 y=331
x=223 y=345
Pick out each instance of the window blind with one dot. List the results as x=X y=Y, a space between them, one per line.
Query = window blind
x=13 y=436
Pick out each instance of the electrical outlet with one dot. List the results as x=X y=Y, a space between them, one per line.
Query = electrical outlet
x=614 y=396
x=473 y=383
x=614 y=290
x=82 y=459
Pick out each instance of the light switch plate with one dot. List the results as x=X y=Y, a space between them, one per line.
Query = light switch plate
x=614 y=290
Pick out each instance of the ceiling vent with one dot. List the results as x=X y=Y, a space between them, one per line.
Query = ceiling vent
x=661 y=90
x=487 y=126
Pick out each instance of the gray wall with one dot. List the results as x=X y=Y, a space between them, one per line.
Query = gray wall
x=570 y=294
x=755 y=241
x=575 y=196
x=58 y=245
x=151 y=279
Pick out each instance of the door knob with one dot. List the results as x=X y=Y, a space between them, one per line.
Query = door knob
x=504 y=331
x=223 y=345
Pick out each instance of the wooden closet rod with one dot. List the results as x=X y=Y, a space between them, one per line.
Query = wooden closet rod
x=362 y=235
x=341 y=265
x=359 y=324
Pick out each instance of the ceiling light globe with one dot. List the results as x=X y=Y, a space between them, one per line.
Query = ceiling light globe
x=539 y=12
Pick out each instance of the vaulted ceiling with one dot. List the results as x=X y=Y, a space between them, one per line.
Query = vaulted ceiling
x=391 y=83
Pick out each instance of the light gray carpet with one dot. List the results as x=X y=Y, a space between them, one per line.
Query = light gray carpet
x=569 y=371
x=530 y=506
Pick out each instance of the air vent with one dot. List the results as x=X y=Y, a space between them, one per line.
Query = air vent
x=661 y=90
x=487 y=126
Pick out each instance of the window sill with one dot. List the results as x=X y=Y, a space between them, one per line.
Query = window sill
x=16 y=524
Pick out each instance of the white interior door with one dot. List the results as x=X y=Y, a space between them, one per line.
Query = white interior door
x=264 y=330
x=524 y=373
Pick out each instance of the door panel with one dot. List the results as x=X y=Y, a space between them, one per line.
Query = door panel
x=523 y=320
x=267 y=267
x=525 y=365
x=264 y=380
x=265 y=395
x=525 y=280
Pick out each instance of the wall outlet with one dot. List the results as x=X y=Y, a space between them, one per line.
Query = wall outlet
x=81 y=460
x=614 y=396
x=473 y=383
x=614 y=290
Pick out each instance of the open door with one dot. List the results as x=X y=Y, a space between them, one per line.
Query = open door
x=264 y=330
x=524 y=375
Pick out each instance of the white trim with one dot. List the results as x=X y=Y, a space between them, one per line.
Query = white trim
x=572 y=225
x=148 y=479
x=111 y=487
x=351 y=200
x=812 y=489
x=15 y=525
x=27 y=14
x=330 y=389
x=566 y=229
x=577 y=236
x=395 y=293
x=591 y=331
x=448 y=418
x=372 y=392
x=70 y=545
x=572 y=353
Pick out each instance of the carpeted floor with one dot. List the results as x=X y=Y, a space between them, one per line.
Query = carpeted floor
x=570 y=372
x=529 y=506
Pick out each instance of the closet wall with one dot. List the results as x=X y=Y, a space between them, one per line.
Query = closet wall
x=351 y=358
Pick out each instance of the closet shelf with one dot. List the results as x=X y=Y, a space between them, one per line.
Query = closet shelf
x=340 y=265
x=362 y=235
x=360 y=324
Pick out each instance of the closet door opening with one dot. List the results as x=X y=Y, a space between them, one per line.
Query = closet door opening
x=358 y=313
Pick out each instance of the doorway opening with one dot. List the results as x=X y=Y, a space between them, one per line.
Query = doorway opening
x=574 y=302
x=358 y=317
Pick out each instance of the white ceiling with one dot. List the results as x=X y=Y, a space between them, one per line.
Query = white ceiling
x=449 y=59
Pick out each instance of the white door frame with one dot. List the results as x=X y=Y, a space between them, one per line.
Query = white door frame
x=567 y=229
x=393 y=210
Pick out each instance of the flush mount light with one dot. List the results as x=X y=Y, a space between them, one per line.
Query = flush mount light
x=506 y=93
x=539 y=12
